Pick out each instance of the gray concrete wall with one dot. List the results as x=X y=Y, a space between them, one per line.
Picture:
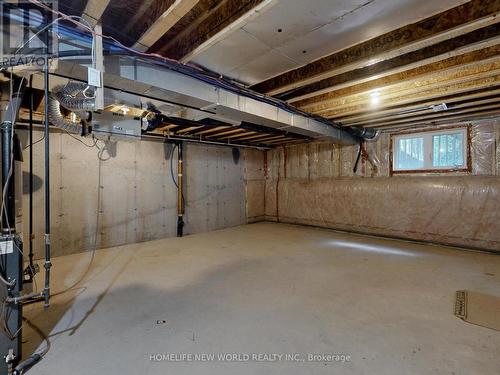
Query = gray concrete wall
x=138 y=197
x=314 y=184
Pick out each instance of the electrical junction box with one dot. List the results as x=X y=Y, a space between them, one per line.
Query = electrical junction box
x=94 y=77
x=115 y=126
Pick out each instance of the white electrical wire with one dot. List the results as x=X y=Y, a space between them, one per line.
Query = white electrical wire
x=60 y=19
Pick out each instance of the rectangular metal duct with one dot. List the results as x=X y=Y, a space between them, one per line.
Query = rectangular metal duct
x=160 y=83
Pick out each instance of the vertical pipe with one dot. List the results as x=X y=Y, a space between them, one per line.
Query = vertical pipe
x=31 y=179
x=47 y=264
x=180 y=196
x=12 y=262
x=8 y=215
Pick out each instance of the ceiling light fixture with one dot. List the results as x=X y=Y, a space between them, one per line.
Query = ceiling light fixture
x=375 y=97
x=125 y=109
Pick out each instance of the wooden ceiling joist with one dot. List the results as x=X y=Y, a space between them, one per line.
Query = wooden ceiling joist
x=325 y=101
x=254 y=137
x=212 y=130
x=488 y=82
x=436 y=52
x=466 y=73
x=443 y=120
x=172 y=15
x=279 y=142
x=395 y=110
x=270 y=138
x=388 y=45
x=218 y=134
x=94 y=9
x=429 y=111
x=239 y=136
x=452 y=114
x=189 y=129
x=205 y=27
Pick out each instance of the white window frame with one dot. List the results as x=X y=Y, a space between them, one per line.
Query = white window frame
x=428 y=150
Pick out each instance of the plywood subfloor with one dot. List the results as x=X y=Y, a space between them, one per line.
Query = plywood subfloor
x=268 y=288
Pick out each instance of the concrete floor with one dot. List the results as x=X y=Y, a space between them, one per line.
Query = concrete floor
x=268 y=288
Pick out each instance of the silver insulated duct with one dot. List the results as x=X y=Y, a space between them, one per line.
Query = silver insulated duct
x=75 y=97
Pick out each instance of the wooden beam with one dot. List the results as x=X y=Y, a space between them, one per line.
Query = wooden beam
x=386 y=94
x=254 y=137
x=218 y=128
x=407 y=61
x=224 y=31
x=269 y=138
x=191 y=128
x=165 y=22
x=166 y=127
x=206 y=27
x=218 y=134
x=429 y=111
x=442 y=90
x=238 y=136
x=379 y=48
x=325 y=101
x=448 y=99
x=282 y=141
x=446 y=120
x=94 y=9
x=470 y=112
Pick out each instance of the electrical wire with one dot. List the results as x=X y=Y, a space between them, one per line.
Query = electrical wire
x=42 y=335
x=98 y=214
x=34 y=143
x=7 y=283
x=65 y=17
x=172 y=167
x=173 y=176
x=82 y=142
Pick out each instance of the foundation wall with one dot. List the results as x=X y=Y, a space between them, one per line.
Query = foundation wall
x=314 y=184
x=137 y=194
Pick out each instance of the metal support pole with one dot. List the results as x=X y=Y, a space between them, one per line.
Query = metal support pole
x=31 y=265
x=180 y=195
x=47 y=264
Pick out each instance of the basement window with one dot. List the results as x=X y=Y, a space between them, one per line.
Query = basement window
x=444 y=150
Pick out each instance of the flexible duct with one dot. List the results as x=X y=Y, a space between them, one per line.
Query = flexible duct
x=72 y=97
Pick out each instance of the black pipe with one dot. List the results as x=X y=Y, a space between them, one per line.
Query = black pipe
x=47 y=264
x=12 y=262
x=31 y=181
x=28 y=363
x=8 y=178
x=360 y=151
x=180 y=195
x=8 y=215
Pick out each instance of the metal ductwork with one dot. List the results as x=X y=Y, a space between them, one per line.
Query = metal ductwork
x=198 y=95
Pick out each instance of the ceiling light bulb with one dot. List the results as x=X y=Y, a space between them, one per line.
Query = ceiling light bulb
x=375 y=97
